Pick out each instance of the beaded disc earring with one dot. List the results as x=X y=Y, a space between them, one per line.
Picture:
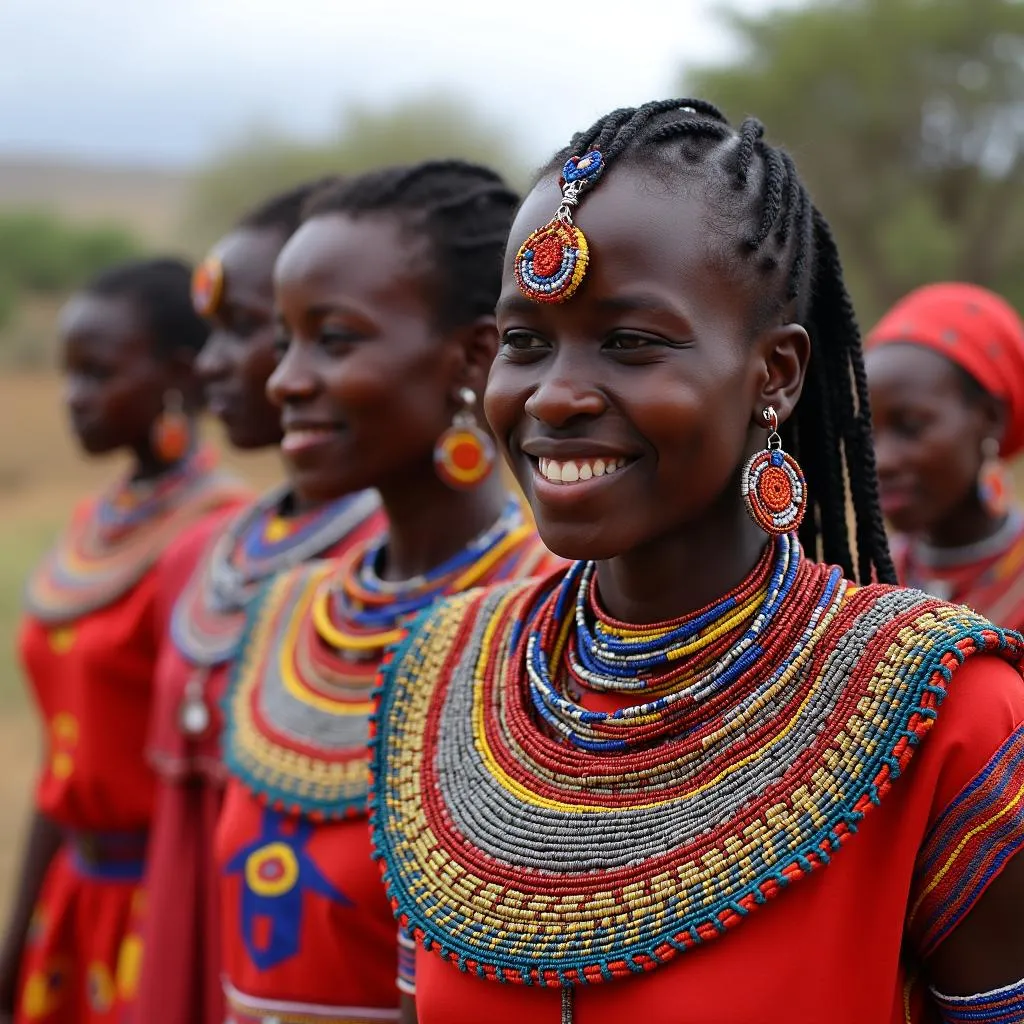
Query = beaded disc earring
x=207 y=286
x=993 y=487
x=551 y=263
x=774 y=488
x=170 y=434
x=464 y=454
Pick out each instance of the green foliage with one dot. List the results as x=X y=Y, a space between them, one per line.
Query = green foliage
x=427 y=128
x=41 y=253
x=906 y=120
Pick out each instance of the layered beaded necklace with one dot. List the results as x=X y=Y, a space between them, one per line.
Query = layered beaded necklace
x=668 y=672
x=299 y=706
x=209 y=616
x=110 y=544
x=568 y=799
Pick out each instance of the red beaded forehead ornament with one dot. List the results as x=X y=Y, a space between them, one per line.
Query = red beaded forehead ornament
x=207 y=286
x=774 y=487
x=551 y=263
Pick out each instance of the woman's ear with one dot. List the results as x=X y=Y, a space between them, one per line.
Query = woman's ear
x=477 y=344
x=785 y=351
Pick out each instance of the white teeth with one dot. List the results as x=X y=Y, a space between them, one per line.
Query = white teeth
x=575 y=470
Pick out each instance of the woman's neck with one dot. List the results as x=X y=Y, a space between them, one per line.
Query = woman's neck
x=681 y=572
x=429 y=522
x=149 y=466
x=968 y=524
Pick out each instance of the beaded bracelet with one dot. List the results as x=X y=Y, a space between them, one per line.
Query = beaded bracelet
x=1000 y=1006
x=406 y=980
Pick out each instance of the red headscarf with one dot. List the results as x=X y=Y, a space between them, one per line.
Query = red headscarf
x=973 y=328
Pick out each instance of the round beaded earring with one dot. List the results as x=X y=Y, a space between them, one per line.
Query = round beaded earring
x=774 y=488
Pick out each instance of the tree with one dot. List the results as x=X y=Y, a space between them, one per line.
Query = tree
x=906 y=120
x=428 y=128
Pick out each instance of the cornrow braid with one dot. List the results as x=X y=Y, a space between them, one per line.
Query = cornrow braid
x=791 y=244
x=464 y=211
x=283 y=210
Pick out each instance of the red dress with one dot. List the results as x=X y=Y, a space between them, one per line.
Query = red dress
x=308 y=935
x=89 y=645
x=205 y=579
x=719 y=880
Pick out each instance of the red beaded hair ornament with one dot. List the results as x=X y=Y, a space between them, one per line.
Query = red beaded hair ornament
x=207 y=286
x=464 y=454
x=774 y=488
x=552 y=262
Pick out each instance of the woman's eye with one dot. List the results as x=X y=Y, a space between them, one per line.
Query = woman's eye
x=522 y=341
x=335 y=336
x=281 y=343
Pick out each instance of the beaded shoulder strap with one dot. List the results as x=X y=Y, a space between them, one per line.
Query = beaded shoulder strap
x=296 y=734
x=523 y=860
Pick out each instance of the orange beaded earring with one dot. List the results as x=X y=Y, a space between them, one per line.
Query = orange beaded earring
x=464 y=454
x=171 y=434
x=993 y=486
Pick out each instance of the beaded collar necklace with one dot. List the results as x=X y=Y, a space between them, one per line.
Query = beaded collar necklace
x=208 y=618
x=359 y=614
x=533 y=837
x=107 y=549
x=299 y=705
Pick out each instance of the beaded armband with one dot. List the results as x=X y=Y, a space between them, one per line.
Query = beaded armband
x=406 y=980
x=1000 y=1006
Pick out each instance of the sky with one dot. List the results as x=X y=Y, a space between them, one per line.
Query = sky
x=172 y=82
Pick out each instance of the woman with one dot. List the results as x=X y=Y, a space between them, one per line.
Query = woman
x=386 y=295
x=694 y=777
x=89 y=638
x=946 y=370
x=206 y=579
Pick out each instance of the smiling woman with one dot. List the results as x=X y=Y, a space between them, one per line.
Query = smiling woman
x=946 y=368
x=385 y=297
x=672 y=774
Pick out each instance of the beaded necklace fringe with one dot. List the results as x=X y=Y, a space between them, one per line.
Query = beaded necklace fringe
x=527 y=837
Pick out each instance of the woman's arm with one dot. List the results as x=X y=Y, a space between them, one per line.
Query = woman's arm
x=44 y=840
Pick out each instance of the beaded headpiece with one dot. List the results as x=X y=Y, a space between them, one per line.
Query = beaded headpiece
x=207 y=286
x=552 y=262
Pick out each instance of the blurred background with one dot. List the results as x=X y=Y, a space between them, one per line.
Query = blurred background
x=127 y=128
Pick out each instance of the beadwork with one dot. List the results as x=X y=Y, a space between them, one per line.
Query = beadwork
x=552 y=262
x=207 y=286
x=114 y=541
x=528 y=838
x=1001 y=1006
x=208 y=617
x=299 y=702
x=773 y=485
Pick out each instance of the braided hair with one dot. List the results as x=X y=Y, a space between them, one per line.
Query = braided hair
x=780 y=232
x=160 y=292
x=283 y=211
x=463 y=210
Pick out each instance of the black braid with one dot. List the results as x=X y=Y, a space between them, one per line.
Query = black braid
x=830 y=430
x=283 y=212
x=463 y=210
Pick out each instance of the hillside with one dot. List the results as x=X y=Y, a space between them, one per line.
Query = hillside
x=148 y=200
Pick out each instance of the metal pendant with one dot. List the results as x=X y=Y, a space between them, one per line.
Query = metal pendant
x=193 y=713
